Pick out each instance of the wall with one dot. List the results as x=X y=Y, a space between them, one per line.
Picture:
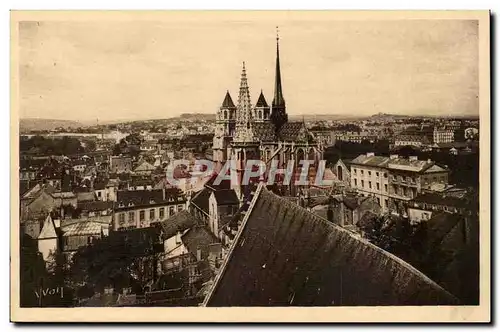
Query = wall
x=169 y=210
x=46 y=246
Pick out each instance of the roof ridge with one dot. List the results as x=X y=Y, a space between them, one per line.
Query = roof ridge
x=233 y=244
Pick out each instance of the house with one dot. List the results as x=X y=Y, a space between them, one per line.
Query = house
x=222 y=206
x=96 y=208
x=342 y=171
x=142 y=208
x=284 y=255
x=424 y=206
x=120 y=164
x=77 y=234
x=349 y=210
x=144 y=168
x=42 y=199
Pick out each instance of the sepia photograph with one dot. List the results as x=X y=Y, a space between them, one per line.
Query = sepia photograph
x=324 y=164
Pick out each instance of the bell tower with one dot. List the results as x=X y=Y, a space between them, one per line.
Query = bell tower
x=262 y=110
x=225 y=123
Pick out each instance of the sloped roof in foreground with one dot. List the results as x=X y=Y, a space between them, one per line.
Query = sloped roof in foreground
x=284 y=255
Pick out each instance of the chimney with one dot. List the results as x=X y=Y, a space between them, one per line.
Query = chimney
x=393 y=156
x=178 y=238
x=370 y=154
x=413 y=158
x=163 y=190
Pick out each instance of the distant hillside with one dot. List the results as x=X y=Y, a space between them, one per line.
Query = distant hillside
x=196 y=116
x=31 y=124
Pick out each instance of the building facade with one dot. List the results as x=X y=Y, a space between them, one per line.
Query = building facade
x=394 y=180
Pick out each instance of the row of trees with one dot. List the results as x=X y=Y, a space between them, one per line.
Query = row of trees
x=41 y=145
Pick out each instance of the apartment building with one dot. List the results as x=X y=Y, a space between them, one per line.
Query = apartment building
x=394 y=180
x=443 y=135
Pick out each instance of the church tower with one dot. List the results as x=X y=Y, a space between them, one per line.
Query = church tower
x=262 y=110
x=225 y=124
x=278 y=110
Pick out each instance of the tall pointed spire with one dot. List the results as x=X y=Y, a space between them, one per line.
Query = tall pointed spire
x=244 y=105
x=278 y=112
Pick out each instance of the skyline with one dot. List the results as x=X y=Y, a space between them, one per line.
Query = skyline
x=154 y=70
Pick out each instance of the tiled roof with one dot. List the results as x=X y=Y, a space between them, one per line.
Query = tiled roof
x=440 y=199
x=409 y=165
x=147 y=197
x=82 y=228
x=179 y=222
x=95 y=205
x=63 y=195
x=261 y=102
x=284 y=255
x=264 y=131
x=201 y=199
x=293 y=131
x=435 y=169
x=198 y=237
x=85 y=196
x=377 y=161
x=228 y=101
x=226 y=197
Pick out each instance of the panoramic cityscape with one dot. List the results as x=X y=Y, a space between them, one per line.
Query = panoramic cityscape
x=248 y=203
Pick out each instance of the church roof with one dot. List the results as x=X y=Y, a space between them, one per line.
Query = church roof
x=228 y=101
x=264 y=131
x=292 y=131
x=261 y=102
x=283 y=255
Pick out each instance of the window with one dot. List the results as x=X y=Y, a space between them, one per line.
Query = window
x=151 y=214
x=385 y=175
x=370 y=184
x=362 y=183
x=369 y=173
x=362 y=172
x=171 y=210
x=142 y=214
x=162 y=213
x=121 y=218
x=376 y=173
x=378 y=201
x=378 y=186
x=355 y=171
x=355 y=182
x=131 y=216
x=387 y=203
x=385 y=187
x=99 y=194
x=180 y=207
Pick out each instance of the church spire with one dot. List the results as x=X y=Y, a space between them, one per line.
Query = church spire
x=244 y=105
x=278 y=112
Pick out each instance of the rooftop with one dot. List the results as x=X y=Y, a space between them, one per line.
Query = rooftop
x=284 y=255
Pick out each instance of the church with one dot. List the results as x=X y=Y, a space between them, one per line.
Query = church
x=260 y=131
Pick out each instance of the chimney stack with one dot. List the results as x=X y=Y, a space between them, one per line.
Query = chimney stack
x=370 y=154
x=393 y=156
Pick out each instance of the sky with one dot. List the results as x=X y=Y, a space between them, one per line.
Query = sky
x=146 y=69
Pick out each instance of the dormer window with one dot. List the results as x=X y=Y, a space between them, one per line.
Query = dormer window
x=121 y=205
x=130 y=204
